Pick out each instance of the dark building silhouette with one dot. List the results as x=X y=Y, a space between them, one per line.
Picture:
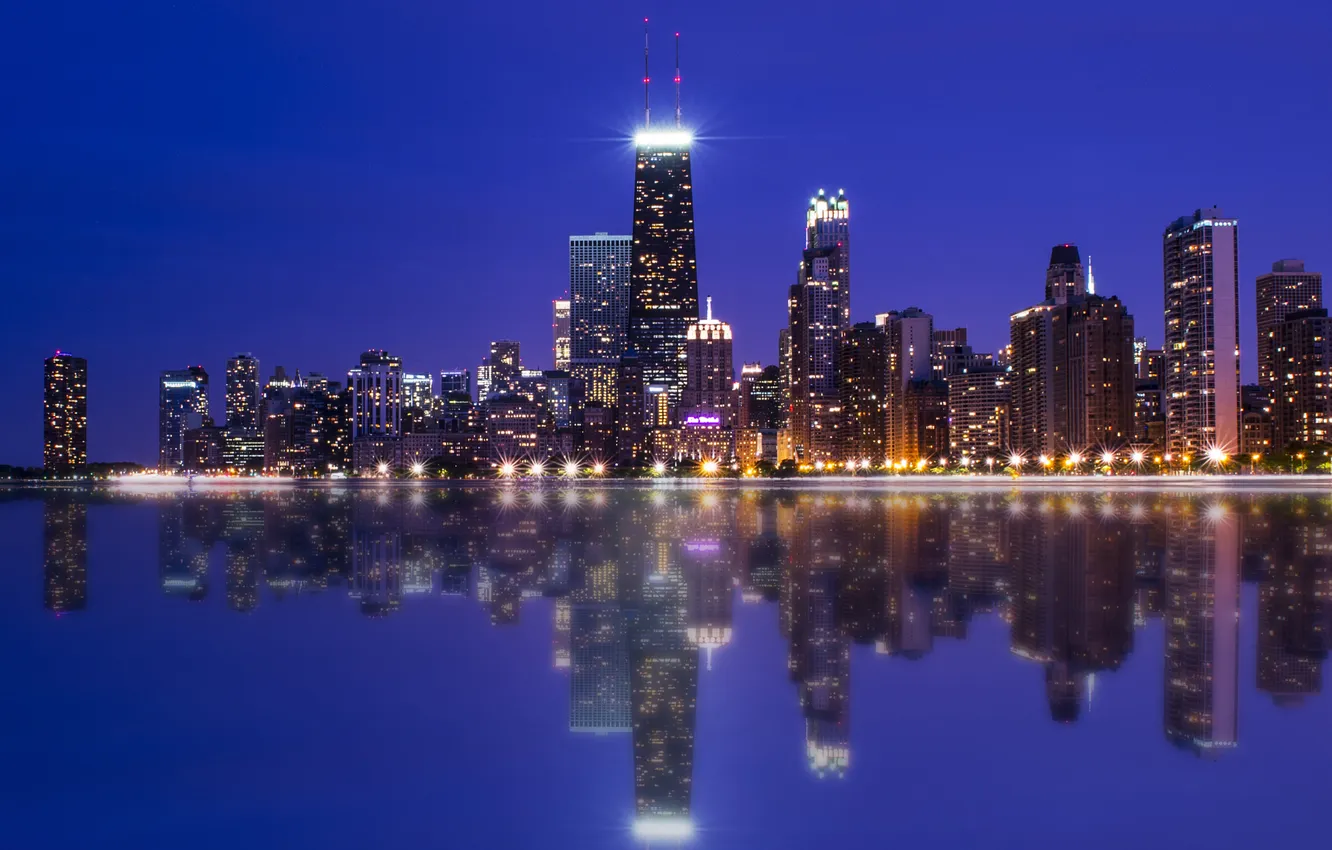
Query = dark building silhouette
x=65 y=415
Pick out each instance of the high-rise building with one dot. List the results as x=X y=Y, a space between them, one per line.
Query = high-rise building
x=709 y=371
x=182 y=403
x=978 y=413
x=513 y=426
x=925 y=419
x=1201 y=266
x=1301 y=356
x=418 y=403
x=1288 y=288
x=864 y=371
x=455 y=381
x=561 y=343
x=1257 y=423
x=506 y=366
x=663 y=276
x=376 y=392
x=910 y=335
x=828 y=227
x=784 y=374
x=760 y=396
x=630 y=412
x=242 y=400
x=1064 y=278
x=599 y=310
x=65 y=415
x=1093 y=373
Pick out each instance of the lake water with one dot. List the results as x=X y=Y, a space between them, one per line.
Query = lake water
x=608 y=667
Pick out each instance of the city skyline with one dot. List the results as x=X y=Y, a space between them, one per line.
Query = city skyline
x=1120 y=243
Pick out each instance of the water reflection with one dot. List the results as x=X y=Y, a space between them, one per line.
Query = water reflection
x=644 y=583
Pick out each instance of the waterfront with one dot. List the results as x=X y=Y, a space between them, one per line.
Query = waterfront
x=768 y=665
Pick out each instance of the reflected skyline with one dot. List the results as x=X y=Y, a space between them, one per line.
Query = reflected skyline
x=641 y=586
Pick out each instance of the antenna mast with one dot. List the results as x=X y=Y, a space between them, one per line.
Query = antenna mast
x=677 y=80
x=647 y=109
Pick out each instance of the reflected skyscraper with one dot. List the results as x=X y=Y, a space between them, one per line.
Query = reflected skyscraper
x=65 y=565
x=1202 y=628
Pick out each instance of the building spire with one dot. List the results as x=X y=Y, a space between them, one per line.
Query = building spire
x=709 y=308
x=647 y=78
x=677 y=80
x=1091 y=279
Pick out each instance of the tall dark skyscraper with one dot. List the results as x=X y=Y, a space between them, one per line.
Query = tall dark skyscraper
x=182 y=404
x=663 y=278
x=65 y=409
x=243 y=393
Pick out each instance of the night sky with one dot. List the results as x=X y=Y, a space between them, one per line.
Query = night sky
x=304 y=180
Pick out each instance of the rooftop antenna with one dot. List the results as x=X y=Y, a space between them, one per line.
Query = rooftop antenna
x=677 y=80
x=709 y=308
x=1091 y=278
x=647 y=78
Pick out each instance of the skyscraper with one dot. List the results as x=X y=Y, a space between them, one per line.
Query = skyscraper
x=182 y=404
x=978 y=405
x=828 y=227
x=455 y=381
x=1301 y=357
x=663 y=276
x=864 y=370
x=1201 y=265
x=376 y=392
x=1064 y=278
x=909 y=348
x=1288 y=288
x=242 y=402
x=506 y=366
x=760 y=397
x=65 y=412
x=560 y=330
x=709 y=369
x=599 y=309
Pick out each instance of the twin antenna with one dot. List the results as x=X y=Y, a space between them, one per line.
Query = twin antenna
x=647 y=79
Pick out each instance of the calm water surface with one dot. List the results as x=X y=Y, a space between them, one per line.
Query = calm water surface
x=605 y=668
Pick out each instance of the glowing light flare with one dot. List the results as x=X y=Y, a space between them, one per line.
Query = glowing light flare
x=663 y=138
x=507 y=469
x=710 y=467
x=536 y=469
x=659 y=467
x=598 y=468
x=1138 y=457
x=383 y=468
x=1217 y=455
x=571 y=469
x=418 y=468
x=1108 y=458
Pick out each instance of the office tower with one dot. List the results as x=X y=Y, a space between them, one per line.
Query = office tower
x=1064 y=278
x=864 y=371
x=709 y=370
x=1257 y=422
x=65 y=565
x=1139 y=349
x=828 y=228
x=242 y=400
x=455 y=381
x=182 y=404
x=760 y=396
x=1301 y=354
x=65 y=415
x=978 y=413
x=1032 y=401
x=1201 y=619
x=1093 y=373
x=1201 y=265
x=599 y=310
x=951 y=354
x=1151 y=365
x=1149 y=396
x=630 y=413
x=561 y=343
x=663 y=277
x=203 y=448
x=506 y=366
x=376 y=395
x=910 y=335
x=1288 y=288
x=418 y=391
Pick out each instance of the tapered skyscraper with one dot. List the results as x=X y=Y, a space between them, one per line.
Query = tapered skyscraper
x=663 y=279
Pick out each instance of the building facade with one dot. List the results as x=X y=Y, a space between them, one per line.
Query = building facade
x=1201 y=268
x=182 y=404
x=1302 y=359
x=1287 y=289
x=709 y=371
x=561 y=344
x=599 y=267
x=65 y=415
x=978 y=413
x=376 y=391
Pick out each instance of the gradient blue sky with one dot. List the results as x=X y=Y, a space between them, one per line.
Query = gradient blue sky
x=306 y=180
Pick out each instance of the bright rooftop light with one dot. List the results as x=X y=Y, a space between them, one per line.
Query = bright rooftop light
x=663 y=138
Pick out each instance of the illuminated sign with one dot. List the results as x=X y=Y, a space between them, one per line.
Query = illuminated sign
x=695 y=420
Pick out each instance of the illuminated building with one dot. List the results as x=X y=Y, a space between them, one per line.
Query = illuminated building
x=630 y=413
x=925 y=419
x=65 y=415
x=1093 y=387
x=455 y=381
x=598 y=432
x=1302 y=396
x=760 y=397
x=599 y=699
x=505 y=367
x=910 y=335
x=709 y=372
x=1292 y=631
x=1064 y=278
x=182 y=404
x=1287 y=289
x=828 y=228
x=561 y=343
x=1257 y=423
x=513 y=427
x=203 y=448
x=951 y=354
x=418 y=392
x=65 y=562
x=864 y=374
x=978 y=413
x=599 y=310
x=1201 y=617
x=376 y=393
x=784 y=376
x=1201 y=270
x=242 y=402
x=663 y=275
